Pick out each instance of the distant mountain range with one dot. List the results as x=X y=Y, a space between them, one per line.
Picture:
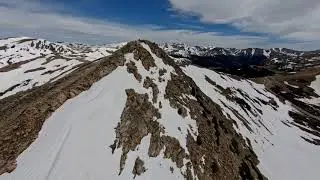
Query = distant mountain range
x=242 y=61
x=186 y=50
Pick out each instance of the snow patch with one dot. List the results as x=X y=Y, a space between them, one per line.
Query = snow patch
x=266 y=54
x=286 y=83
x=316 y=85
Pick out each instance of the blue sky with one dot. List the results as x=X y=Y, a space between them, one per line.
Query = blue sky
x=145 y=12
x=245 y=23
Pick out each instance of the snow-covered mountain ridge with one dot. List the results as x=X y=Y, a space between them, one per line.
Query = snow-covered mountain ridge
x=31 y=62
x=14 y=50
x=137 y=114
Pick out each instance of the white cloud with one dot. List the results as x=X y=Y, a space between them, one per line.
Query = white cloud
x=45 y=23
x=291 y=19
x=35 y=20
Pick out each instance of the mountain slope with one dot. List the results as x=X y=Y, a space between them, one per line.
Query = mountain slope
x=26 y=62
x=282 y=146
x=280 y=118
x=155 y=123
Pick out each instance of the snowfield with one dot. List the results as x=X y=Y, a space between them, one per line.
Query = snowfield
x=316 y=85
x=42 y=61
x=26 y=78
x=283 y=154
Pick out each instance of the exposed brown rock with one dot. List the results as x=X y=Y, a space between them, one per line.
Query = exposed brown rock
x=144 y=56
x=136 y=123
x=148 y=82
x=224 y=149
x=173 y=150
x=138 y=167
x=132 y=68
x=162 y=72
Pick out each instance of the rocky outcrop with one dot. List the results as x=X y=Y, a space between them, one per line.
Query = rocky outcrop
x=148 y=82
x=144 y=56
x=218 y=152
x=136 y=123
x=138 y=168
x=132 y=68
